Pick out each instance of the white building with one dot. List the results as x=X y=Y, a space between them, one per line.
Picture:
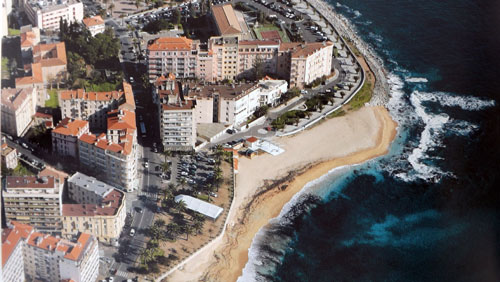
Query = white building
x=9 y=156
x=13 y=245
x=18 y=108
x=47 y=14
x=309 y=62
x=209 y=210
x=94 y=24
x=65 y=136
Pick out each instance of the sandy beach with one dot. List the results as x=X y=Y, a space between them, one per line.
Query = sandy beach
x=351 y=139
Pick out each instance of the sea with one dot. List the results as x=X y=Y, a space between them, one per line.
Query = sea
x=429 y=209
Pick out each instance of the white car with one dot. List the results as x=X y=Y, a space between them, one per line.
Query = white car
x=146 y=165
x=132 y=232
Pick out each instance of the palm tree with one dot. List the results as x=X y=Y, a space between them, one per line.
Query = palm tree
x=188 y=229
x=159 y=223
x=111 y=7
x=165 y=166
x=173 y=229
x=180 y=206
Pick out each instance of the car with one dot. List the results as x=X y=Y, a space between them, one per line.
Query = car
x=146 y=165
x=230 y=131
x=140 y=117
x=213 y=194
x=9 y=137
x=24 y=145
x=132 y=232
x=131 y=80
x=138 y=209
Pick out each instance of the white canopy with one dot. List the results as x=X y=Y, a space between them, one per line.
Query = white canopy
x=200 y=206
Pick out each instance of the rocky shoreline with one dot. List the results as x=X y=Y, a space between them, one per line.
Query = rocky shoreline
x=345 y=30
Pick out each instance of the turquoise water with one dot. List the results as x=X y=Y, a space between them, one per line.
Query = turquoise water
x=427 y=211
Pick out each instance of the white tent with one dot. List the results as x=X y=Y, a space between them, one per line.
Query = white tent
x=207 y=209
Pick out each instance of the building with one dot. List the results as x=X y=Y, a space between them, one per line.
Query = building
x=13 y=246
x=9 y=156
x=226 y=20
x=18 y=107
x=100 y=209
x=178 y=127
x=257 y=57
x=34 y=200
x=306 y=62
x=30 y=37
x=47 y=14
x=114 y=154
x=65 y=136
x=233 y=104
x=28 y=254
x=94 y=106
x=49 y=66
x=175 y=55
x=94 y=24
x=225 y=61
x=5 y=10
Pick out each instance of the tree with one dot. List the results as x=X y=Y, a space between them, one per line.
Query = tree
x=261 y=17
x=173 y=229
x=180 y=206
x=137 y=3
x=176 y=17
x=261 y=111
x=258 y=68
x=188 y=229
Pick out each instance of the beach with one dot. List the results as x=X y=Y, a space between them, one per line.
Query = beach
x=259 y=196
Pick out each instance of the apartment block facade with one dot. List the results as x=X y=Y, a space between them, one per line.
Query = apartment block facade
x=114 y=154
x=47 y=14
x=100 y=209
x=230 y=58
x=13 y=246
x=18 y=108
x=65 y=136
x=34 y=200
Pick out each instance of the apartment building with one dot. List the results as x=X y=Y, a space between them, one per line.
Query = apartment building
x=233 y=104
x=65 y=136
x=94 y=24
x=9 y=156
x=18 y=107
x=34 y=200
x=225 y=52
x=100 y=209
x=94 y=106
x=178 y=127
x=13 y=246
x=29 y=255
x=306 y=62
x=175 y=55
x=113 y=154
x=47 y=14
x=257 y=56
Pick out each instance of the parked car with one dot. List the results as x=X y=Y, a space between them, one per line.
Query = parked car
x=132 y=232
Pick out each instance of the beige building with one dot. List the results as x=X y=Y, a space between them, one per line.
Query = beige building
x=113 y=154
x=225 y=62
x=94 y=24
x=175 y=55
x=100 y=209
x=9 y=156
x=65 y=136
x=18 y=107
x=94 y=106
x=306 y=62
x=48 y=14
x=261 y=54
x=34 y=200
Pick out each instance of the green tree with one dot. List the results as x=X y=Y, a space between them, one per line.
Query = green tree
x=258 y=68
x=137 y=3
x=176 y=17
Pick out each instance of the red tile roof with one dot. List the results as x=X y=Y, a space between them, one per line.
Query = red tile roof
x=110 y=206
x=97 y=20
x=186 y=105
x=49 y=55
x=226 y=20
x=70 y=127
x=30 y=182
x=35 y=78
x=171 y=44
x=252 y=139
x=11 y=237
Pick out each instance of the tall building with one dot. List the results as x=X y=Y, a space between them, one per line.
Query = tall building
x=33 y=256
x=65 y=136
x=13 y=246
x=260 y=54
x=113 y=154
x=225 y=52
x=307 y=62
x=175 y=55
x=94 y=106
x=48 y=14
x=34 y=200
x=100 y=209
x=18 y=108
